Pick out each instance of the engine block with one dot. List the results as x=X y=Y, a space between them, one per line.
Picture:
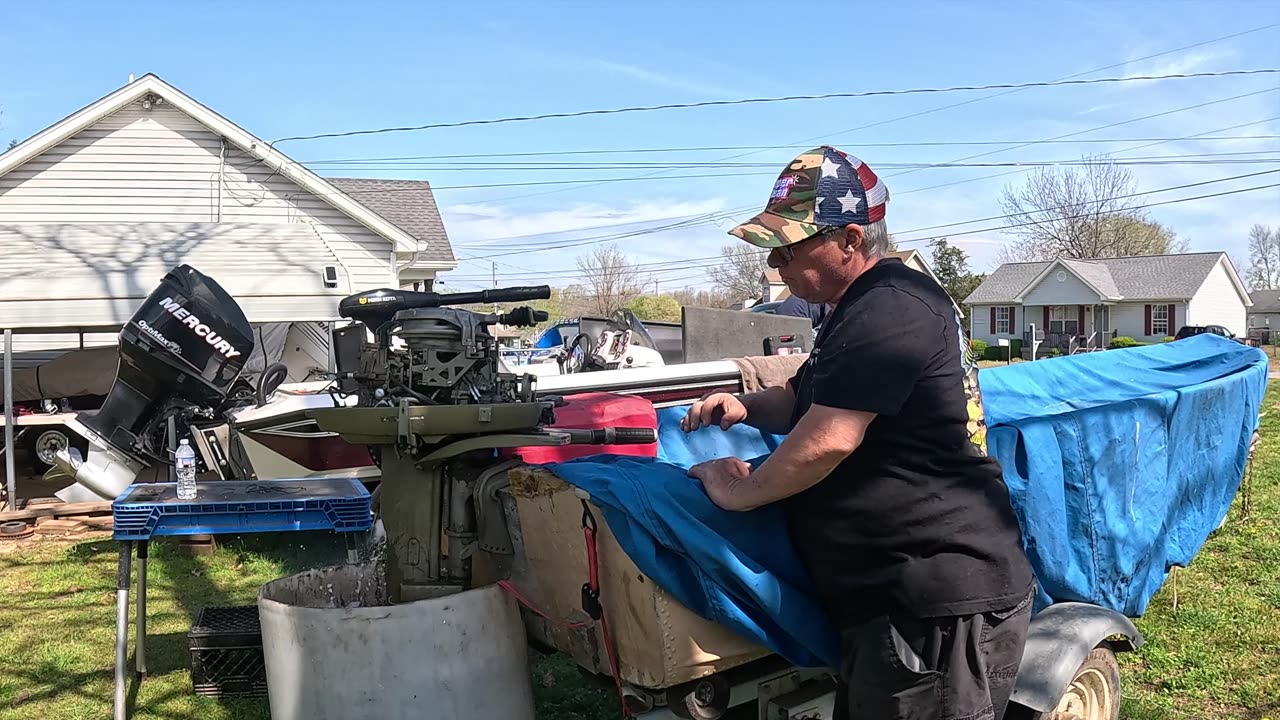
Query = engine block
x=443 y=356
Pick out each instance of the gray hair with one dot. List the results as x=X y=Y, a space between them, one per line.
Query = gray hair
x=875 y=239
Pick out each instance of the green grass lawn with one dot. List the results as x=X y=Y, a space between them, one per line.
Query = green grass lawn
x=1217 y=656
x=57 y=628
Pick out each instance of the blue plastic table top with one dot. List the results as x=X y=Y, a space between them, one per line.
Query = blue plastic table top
x=146 y=510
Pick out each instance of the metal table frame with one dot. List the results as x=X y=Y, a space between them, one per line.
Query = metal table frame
x=355 y=544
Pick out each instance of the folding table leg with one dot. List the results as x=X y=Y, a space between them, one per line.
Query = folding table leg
x=355 y=547
x=140 y=649
x=122 y=628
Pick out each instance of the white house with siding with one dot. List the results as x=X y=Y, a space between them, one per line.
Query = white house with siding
x=1265 y=313
x=1083 y=304
x=97 y=207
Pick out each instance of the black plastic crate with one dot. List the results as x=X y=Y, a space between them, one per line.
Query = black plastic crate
x=226 y=652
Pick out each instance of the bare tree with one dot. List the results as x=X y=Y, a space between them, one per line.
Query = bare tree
x=609 y=281
x=1081 y=212
x=1264 y=258
x=716 y=298
x=738 y=274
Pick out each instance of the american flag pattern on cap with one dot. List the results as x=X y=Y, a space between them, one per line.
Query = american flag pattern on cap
x=821 y=188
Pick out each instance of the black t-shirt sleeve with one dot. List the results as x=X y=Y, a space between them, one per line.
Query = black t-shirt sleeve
x=794 y=382
x=876 y=351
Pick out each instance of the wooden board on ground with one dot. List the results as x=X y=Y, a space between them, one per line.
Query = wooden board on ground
x=54 y=526
x=32 y=512
x=95 y=522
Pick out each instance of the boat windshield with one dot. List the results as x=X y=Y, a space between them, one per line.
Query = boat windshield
x=624 y=319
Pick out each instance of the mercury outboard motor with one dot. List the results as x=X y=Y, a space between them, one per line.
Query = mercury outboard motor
x=180 y=354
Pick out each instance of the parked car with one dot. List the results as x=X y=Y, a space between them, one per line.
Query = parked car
x=1187 y=331
x=769 y=308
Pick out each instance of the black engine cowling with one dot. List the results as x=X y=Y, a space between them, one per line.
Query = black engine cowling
x=184 y=348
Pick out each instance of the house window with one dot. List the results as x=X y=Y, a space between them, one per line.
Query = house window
x=1002 y=321
x=1064 y=320
x=1160 y=320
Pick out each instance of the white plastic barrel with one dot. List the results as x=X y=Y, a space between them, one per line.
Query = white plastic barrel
x=336 y=650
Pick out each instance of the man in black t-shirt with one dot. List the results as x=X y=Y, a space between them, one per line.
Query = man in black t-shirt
x=903 y=523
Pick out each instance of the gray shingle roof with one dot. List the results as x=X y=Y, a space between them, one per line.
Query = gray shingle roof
x=1095 y=274
x=1265 y=301
x=1152 y=277
x=1003 y=285
x=409 y=205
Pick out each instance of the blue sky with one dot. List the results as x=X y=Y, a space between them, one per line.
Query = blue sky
x=291 y=68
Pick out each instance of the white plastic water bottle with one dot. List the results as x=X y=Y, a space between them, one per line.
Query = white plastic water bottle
x=185 y=463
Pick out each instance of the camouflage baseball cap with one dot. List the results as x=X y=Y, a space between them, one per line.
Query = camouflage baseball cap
x=821 y=188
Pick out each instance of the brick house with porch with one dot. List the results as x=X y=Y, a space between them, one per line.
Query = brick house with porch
x=1082 y=305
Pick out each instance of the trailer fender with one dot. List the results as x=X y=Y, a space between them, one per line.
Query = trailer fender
x=1059 y=639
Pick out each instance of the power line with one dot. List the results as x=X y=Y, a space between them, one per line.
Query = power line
x=579 y=242
x=1075 y=217
x=544 y=183
x=1090 y=202
x=1107 y=127
x=708 y=218
x=970 y=222
x=580 y=229
x=636 y=178
x=1125 y=150
x=1068 y=77
x=720 y=148
x=787 y=98
x=947 y=107
x=904 y=117
x=694 y=165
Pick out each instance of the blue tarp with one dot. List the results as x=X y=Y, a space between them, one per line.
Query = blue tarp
x=735 y=568
x=1120 y=463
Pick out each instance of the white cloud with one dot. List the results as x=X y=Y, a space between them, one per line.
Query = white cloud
x=1175 y=65
x=555 y=60
x=659 y=79
x=493 y=225
x=550 y=241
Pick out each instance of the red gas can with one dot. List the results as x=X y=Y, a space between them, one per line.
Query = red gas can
x=591 y=411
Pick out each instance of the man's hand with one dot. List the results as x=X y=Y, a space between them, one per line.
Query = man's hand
x=719 y=408
x=719 y=479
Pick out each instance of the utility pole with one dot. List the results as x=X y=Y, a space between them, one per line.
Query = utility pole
x=495 y=281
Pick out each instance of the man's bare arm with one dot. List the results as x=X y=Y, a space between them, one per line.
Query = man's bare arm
x=770 y=409
x=822 y=439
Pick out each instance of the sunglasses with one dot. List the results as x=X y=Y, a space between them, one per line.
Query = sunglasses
x=787 y=252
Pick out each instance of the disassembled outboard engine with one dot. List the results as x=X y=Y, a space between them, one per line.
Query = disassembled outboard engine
x=435 y=412
x=451 y=358
x=181 y=355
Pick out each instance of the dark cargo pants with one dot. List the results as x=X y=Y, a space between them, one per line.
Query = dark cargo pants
x=943 y=668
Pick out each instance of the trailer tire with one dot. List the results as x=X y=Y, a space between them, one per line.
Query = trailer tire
x=1094 y=692
x=42 y=445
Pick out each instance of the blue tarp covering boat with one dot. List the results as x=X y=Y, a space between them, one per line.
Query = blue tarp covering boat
x=1119 y=465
